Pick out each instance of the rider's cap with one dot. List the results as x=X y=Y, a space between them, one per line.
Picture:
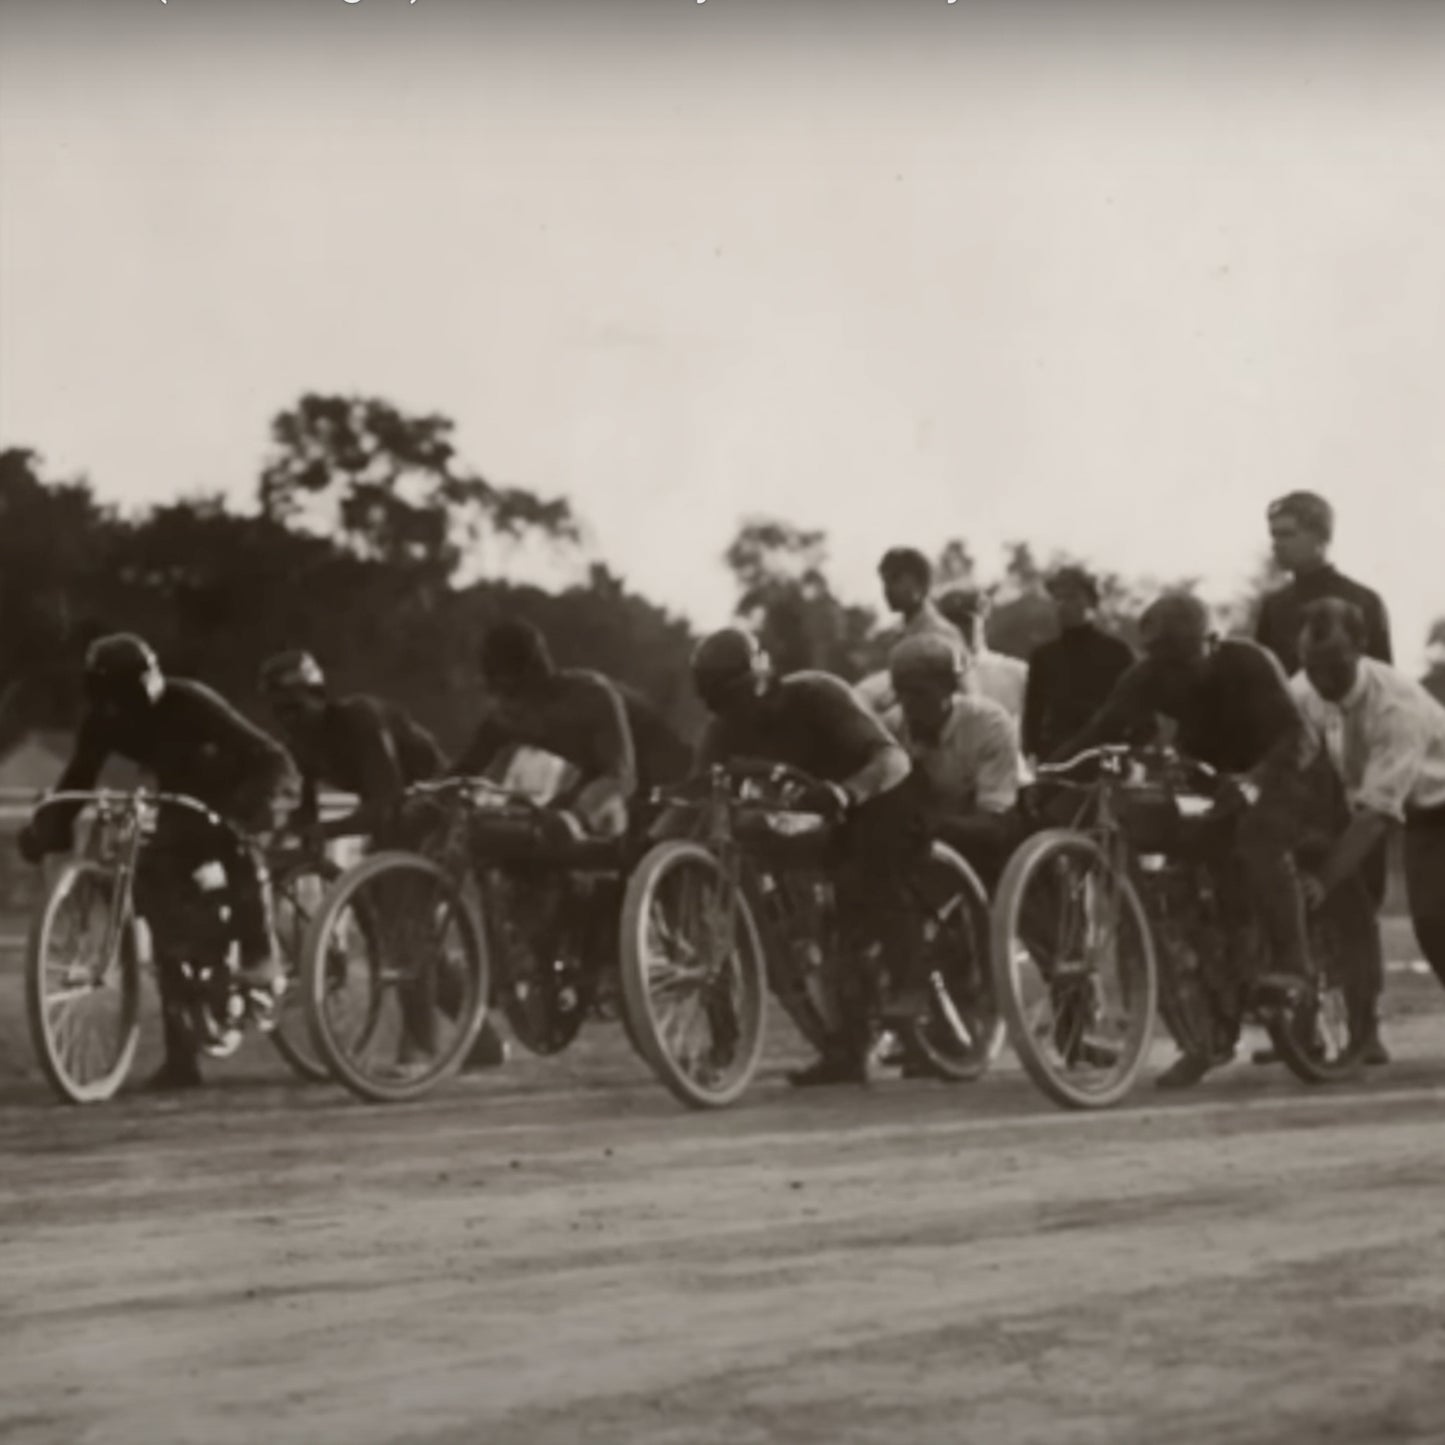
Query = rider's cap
x=514 y=648
x=925 y=657
x=1176 y=622
x=120 y=663
x=1310 y=510
x=1073 y=579
x=287 y=670
x=724 y=660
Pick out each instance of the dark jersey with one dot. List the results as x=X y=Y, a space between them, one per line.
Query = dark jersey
x=1281 y=614
x=191 y=740
x=809 y=720
x=366 y=746
x=1069 y=680
x=663 y=756
x=581 y=717
x=1238 y=712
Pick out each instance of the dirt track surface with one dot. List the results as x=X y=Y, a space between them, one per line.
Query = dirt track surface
x=559 y=1254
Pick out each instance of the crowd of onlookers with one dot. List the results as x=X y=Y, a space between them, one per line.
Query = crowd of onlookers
x=1384 y=733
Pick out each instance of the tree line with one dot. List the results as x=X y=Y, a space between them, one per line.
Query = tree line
x=366 y=524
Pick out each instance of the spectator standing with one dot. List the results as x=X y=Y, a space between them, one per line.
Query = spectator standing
x=907 y=577
x=1386 y=737
x=1301 y=528
x=1070 y=677
x=994 y=675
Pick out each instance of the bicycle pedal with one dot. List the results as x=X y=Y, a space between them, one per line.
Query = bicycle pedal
x=262 y=1006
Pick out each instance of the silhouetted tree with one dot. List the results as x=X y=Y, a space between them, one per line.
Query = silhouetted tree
x=392 y=487
x=783 y=590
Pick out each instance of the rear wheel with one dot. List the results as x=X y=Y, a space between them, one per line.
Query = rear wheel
x=1190 y=946
x=1318 y=1035
x=395 y=978
x=298 y=894
x=964 y=1032
x=82 y=985
x=1074 y=969
x=545 y=987
x=694 y=977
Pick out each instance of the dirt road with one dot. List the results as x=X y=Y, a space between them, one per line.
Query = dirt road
x=559 y=1254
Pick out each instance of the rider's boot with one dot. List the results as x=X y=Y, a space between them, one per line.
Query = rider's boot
x=837 y=1066
x=917 y=1064
x=180 y=1069
x=1371 y=1049
x=847 y=1056
x=489 y=1051
x=1185 y=1072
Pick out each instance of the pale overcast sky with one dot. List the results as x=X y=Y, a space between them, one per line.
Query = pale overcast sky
x=900 y=269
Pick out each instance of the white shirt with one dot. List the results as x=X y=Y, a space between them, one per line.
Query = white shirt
x=975 y=765
x=999 y=677
x=1386 y=739
x=875 y=691
x=992 y=675
x=540 y=775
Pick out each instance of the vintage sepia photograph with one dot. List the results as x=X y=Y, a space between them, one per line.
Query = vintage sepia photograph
x=722 y=722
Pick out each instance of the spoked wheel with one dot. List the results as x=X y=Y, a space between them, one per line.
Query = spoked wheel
x=1317 y=1036
x=1189 y=962
x=964 y=1032
x=1074 y=969
x=298 y=893
x=82 y=985
x=693 y=975
x=803 y=981
x=545 y=986
x=395 y=978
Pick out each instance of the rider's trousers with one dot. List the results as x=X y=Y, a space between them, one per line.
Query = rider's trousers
x=1294 y=803
x=885 y=843
x=1425 y=883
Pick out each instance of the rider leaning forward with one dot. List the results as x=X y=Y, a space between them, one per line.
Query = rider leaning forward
x=1234 y=711
x=964 y=748
x=359 y=744
x=812 y=721
x=363 y=745
x=615 y=739
x=194 y=743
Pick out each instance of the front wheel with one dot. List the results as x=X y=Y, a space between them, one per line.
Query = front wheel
x=694 y=976
x=395 y=978
x=964 y=1032
x=82 y=984
x=1074 y=969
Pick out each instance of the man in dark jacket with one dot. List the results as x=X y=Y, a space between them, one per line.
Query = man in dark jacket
x=193 y=743
x=1301 y=527
x=1234 y=711
x=1071 y=676
x=363 y=745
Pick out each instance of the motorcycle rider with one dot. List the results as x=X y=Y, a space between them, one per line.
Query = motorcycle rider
x=812 y=721
x=194 y=743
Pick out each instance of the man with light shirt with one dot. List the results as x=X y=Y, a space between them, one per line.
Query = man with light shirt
x=1386 y=736
x=964 y=749
x=994 y=675
x=907 y=578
